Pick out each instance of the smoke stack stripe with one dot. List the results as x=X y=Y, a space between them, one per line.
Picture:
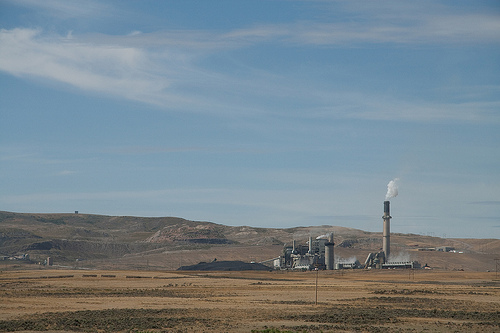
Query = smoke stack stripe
x=386 y=246
x=329 y=255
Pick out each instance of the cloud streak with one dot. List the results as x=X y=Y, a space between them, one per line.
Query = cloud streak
x=111 y=69
x=64 y=8
x=164 y=68
x=450 y=30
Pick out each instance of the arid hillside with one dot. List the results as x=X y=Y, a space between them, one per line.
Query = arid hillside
x=166 y=243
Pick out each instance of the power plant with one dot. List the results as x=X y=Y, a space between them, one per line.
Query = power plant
x=319 y=253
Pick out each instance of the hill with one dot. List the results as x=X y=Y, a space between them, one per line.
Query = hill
x=127 y=242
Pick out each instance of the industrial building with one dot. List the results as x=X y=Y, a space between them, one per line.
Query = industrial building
x=348 y=264
x=401 y=264
x=319 y=253
x=382 y=259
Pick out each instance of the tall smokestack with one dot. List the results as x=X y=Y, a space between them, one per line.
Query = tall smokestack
x=386 y=246
x=329 y=261
x=310 y=245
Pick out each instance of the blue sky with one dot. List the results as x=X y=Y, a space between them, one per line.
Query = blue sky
x=260 y=113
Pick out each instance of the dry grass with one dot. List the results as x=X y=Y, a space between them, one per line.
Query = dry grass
x=349 y=301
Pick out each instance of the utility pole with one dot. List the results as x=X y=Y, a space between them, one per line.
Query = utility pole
x=411 y=274
x=317 y=272
x=316 y=289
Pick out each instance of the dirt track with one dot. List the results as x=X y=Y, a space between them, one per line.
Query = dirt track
x=349 y=301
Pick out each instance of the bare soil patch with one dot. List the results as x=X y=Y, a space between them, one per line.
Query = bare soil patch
x=250 y=301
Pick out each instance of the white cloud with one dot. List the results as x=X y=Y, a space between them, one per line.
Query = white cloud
x=163 y=68
x=111 y=69
x=161 y=75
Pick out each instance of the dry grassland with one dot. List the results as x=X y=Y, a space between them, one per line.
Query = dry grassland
x=349 y=301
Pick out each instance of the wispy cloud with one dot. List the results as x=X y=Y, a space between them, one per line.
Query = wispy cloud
x=166 y=77
x=33 y=156
x=487 y=203
x=292 y=203
x=333 y=34
x=64 y=8
x=66 y=172
x=164 y=68
x=144 y=150
x=437 y=29
x=162 y=75
x=111 y=69
x=368 y=106
x=406 y=22
x=396 y=23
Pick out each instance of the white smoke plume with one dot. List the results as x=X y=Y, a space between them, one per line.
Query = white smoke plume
x=341 y=260
x=392 y=189
x=400 y=257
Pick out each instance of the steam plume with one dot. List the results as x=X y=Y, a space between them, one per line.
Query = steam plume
x=392 y=189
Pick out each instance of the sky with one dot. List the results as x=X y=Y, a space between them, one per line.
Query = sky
x=277 y=113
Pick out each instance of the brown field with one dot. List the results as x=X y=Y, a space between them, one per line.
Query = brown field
x=153 y=301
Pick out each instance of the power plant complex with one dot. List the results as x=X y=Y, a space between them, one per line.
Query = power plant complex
x=318 y=253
